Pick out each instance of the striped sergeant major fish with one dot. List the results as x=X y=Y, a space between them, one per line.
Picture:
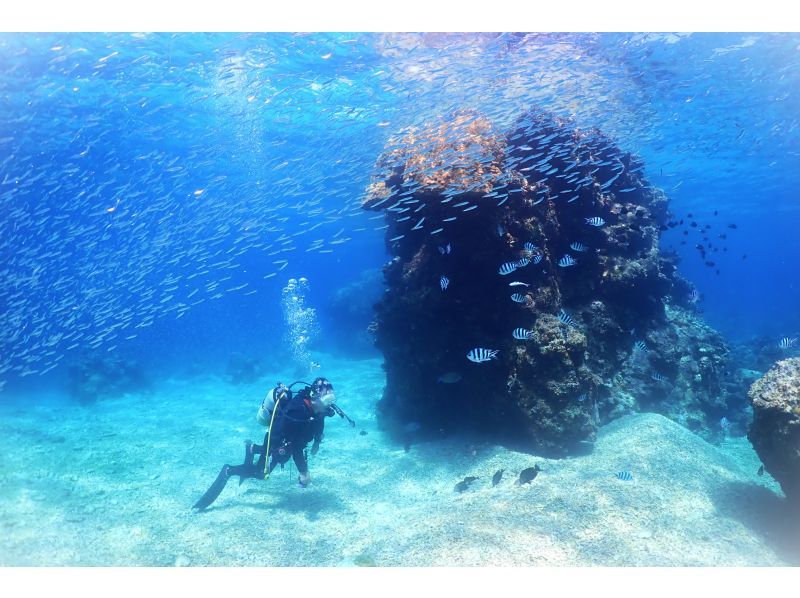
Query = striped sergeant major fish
x=522 y=334
x=444 y=282
x=577 y=246
x=640 y=347
x=521 y=263
x=595 y=221
x=508 y=268
x=787 y=343
x=529 y=247
x=658 y=377
x=625 y=476
x=565 y=318
x=520 y=298
x=567 y=261
x=480 y=355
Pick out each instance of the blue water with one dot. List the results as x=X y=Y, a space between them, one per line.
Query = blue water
x=158 y=191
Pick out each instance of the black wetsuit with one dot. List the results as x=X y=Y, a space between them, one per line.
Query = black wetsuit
x=295 y=425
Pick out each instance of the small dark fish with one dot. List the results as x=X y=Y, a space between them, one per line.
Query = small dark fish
x=526 y=476
x=715 y=212
x=732 y=226
x=625 y=476
x=362 y=433
x=498 y=475
x=464 y=484
x=761 y=470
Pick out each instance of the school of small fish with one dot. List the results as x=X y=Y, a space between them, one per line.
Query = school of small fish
x=174 y=171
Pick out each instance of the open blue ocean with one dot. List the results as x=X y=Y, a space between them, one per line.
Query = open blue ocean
x=549 y=278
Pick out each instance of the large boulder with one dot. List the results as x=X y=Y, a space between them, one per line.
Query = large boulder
x=541 y=243
x=775 y=432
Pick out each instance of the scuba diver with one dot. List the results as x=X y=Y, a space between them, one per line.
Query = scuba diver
x=292 y=420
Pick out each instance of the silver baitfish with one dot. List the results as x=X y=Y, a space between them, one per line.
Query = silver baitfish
x=567 y=261
x=595 y=221
x=480 y=355
x=517 y=283
x=522 y=334
x=444 y=282
x=577 y=246
x=507 y=268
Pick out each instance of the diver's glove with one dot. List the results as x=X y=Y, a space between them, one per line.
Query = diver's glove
x=304 y=479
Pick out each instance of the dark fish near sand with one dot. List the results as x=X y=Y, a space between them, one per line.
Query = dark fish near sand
x=761 y=470
x=526 y=476
x=498 y=475
x=464 y=484
x=449 y=378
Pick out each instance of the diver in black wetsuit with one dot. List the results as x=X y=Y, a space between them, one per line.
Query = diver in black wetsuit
x=293 y=421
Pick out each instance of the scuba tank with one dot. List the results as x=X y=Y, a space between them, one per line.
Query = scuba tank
x=279 y=393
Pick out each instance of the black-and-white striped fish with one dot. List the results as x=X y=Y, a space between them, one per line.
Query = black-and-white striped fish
x=529 y=247
x=444 y=250
x=521 y=263
x=565 y=318
x=480 y=355
x=507 y=268
x=787 y=343
x=639 y=346
x=537 y=257
x=595 y=221
x=444 y=282
x=519 y=298
x=567 y=261
x=522 y=334
x=658 y=377
x=578 y=246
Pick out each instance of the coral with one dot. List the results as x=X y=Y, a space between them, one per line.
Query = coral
x=461 y=208
x=775 y=431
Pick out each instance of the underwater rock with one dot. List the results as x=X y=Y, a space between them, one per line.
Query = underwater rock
x=243 y=369
x=775 y=431
x=351 y=307
x=93 y=377
x=568 y=218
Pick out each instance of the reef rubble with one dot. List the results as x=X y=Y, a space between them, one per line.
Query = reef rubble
x=540 y=243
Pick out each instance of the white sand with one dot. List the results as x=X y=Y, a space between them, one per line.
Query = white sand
x=113 y=483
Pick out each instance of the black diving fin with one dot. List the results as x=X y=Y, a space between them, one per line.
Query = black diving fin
x=215 y=490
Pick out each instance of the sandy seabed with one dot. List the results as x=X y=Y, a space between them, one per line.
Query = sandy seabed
x=112 y=484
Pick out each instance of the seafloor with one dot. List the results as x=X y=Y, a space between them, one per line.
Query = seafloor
x=112 y=483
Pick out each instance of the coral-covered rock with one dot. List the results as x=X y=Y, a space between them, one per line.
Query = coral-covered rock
x=775 y=431
x=546 y=229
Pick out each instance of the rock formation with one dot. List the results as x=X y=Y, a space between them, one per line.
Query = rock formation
x=775 y=431
x=549 y=231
